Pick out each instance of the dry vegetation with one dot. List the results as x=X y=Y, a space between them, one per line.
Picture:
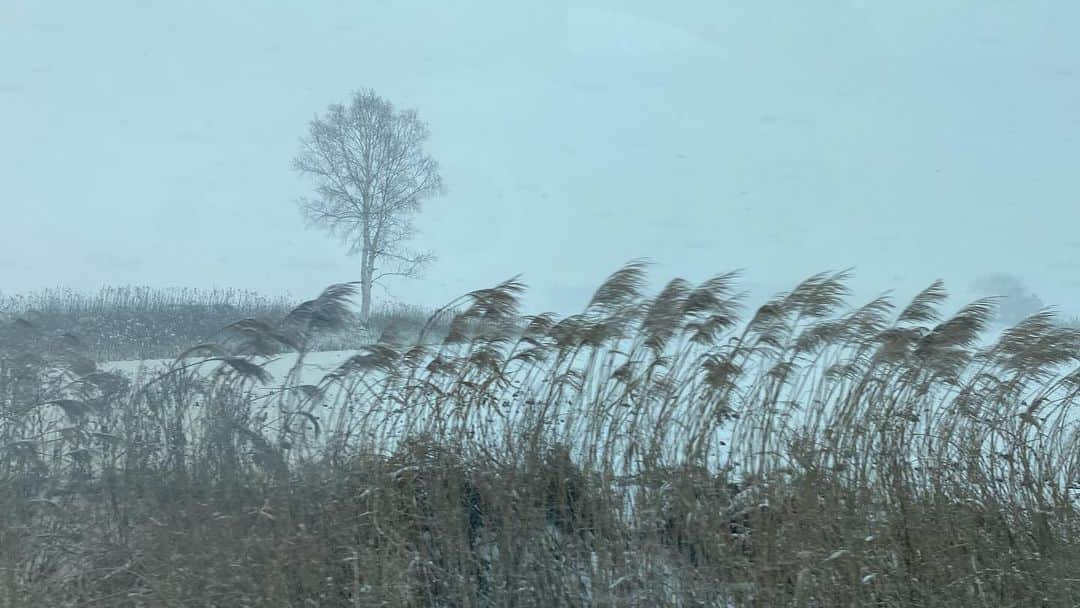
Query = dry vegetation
x=128 y=323
x=651 y=451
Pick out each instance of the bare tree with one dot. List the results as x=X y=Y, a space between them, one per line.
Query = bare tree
x=372 y=174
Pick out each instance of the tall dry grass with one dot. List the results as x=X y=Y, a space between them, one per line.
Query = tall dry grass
x=649 y=451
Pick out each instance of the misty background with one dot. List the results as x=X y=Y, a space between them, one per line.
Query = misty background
x=151 y=143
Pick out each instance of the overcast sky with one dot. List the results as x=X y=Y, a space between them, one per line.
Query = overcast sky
x=151 y=142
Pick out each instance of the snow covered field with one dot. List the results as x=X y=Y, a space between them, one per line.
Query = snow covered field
x=315 y=365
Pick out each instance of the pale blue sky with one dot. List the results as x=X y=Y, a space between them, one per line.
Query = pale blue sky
x=150 y=142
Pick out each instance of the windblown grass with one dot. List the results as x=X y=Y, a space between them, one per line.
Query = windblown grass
x=649 y=451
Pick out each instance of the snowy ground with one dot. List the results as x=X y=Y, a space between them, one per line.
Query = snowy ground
x=315 y=365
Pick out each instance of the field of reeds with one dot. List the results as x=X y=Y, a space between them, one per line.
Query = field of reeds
x=124 y=323
x=654 y=450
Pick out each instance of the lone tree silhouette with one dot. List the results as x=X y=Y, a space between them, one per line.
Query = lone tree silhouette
x=372 y=173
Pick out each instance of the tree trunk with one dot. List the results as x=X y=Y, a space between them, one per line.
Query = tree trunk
x=366 y=276
x=365 y=300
